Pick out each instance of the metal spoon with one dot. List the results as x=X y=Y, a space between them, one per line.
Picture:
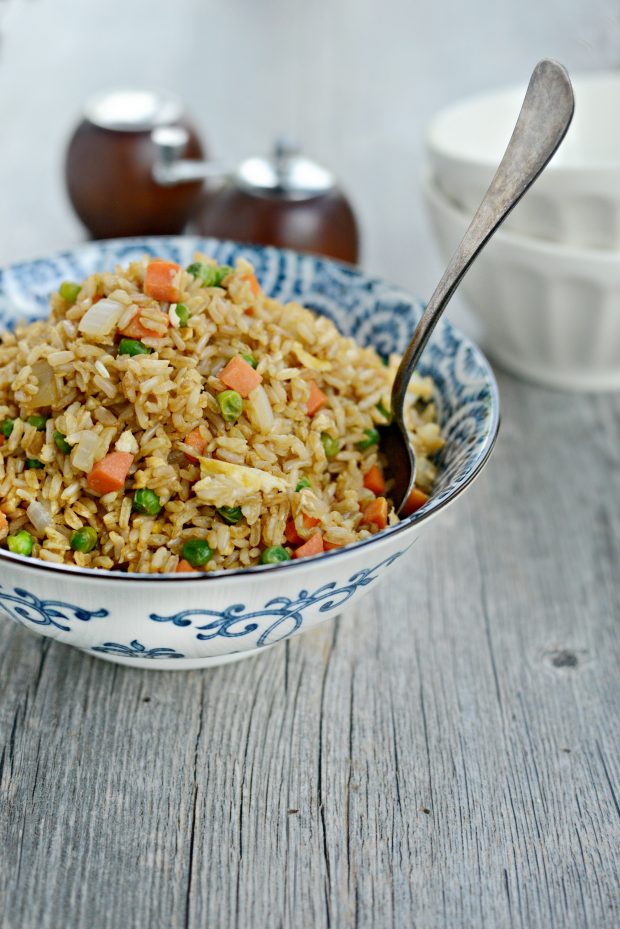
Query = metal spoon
x=542 y=124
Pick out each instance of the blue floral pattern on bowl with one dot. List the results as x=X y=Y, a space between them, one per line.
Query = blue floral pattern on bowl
x=135 y=649
x=25 y=605
x=285 y=614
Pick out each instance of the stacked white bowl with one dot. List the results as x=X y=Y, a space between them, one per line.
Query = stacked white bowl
x=547 y=288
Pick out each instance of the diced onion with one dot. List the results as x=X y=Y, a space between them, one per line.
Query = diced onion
x=39 y=516
x=126 y=443
x=101 y=318
x=175 y=322
x=259 y=410
x=47 y=394
x=83 y=455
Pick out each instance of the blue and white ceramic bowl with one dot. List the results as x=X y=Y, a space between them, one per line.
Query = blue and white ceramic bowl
x=187 y=621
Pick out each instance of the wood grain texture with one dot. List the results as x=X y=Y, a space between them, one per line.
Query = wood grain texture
x=445 y=756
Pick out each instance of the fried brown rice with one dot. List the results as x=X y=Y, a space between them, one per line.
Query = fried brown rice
x=120 y=374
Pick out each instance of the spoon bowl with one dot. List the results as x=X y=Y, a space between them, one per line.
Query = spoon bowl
x=544 y=119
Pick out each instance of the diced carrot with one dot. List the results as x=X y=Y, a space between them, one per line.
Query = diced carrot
x=253 y=282
x=110 y=473
x=316 y=400
x=184 y=566
x=328 y=546
x=374 y=480
x=415 y=500
x=162 y=281
x=314 y=546
x=376 y=513
x=290 y=532
x=136 y=330
x=4 y=523
x=196 y=440
x=240 y=376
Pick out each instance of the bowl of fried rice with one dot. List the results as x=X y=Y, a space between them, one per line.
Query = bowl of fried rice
x=190 y=448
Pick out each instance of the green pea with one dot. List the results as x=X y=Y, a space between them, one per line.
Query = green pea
x=251 y=360
x=209 y=275
x=224 y=271
x=197 y=552
x=37 y=421
x=232 y=514
x=69 y=291
x=61 y=443
x=331 y=446
x=385 y=412
x=147 y=502
x=21 y=543
x=230 y=404
x=372 y=438
x=133 y=347
x=183 y=313
x=33 y=464
x=274 y=555
x=304 y=482
x=6 y=427
x=84 y=540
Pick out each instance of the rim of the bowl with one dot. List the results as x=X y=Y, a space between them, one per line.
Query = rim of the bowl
x=561 y=168
x=527 y=243
x=415 y=519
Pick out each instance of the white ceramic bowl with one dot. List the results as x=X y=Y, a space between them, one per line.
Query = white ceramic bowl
x=551 y=312
x=576 y=200
x=187 y=620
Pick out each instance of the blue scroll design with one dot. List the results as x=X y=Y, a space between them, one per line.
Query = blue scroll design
x=286 y=613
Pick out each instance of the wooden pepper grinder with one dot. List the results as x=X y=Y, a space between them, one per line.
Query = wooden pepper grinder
x=285 y=200
x=110 y=162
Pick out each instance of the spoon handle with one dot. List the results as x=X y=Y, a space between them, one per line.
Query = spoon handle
x=542 y=124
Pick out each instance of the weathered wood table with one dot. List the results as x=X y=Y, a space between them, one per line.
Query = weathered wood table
x=446 y=756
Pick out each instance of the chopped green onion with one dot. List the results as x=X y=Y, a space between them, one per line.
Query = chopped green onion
x=274 y=555
x=183 y=313
x=385 y=412
x=197 y=552
x=147 y=502
x=33 y=464
x=133 y=347
x=21 y=543
x=304 y=482
x=209 y=275
x=232 y=514
x=69 y=291
x=251 y=360
x=84 y=540
x=331 y=446
x=6 y=427
x=372 y=438
x=37 y=421
x=230 y=404
x=61 y=443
